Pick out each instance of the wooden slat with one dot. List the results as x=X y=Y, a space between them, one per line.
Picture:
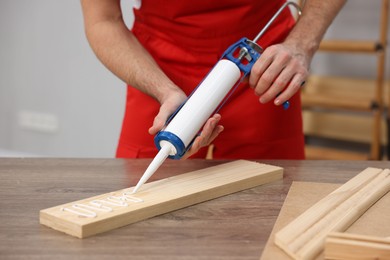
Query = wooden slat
x=304 y=237
x=350 y=46
x=339 y=93
x=345 y=109
x=156 y=198
x=338 y=126
x=324 y=153
x=352 y=246
x=384 y=18
x=309 y=101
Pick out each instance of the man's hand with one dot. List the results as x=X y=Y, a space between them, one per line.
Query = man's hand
x=283 y=68
x=167 y=108
x=210 y=130
x=279 y=73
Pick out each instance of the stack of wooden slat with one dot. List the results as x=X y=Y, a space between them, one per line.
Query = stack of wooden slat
x=305 y=236
x=348 y=109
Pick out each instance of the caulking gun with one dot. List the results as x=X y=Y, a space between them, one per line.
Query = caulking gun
x=183 y=126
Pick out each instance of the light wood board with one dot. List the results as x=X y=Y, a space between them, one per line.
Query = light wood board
x=342 y=246
x=302 y=195
x=304 y=237
x=160 y=197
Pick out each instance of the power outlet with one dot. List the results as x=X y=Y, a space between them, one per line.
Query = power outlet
x=40 y=122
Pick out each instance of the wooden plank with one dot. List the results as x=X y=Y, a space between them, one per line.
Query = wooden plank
x=350 y=46
x=324 y=153
x=352 y=247
x=156 y=198
x=354 y=89
x=302 y=195
x=332 y=92
x=338 y=126
x=304 y=237
x=361 y=90
x=310 y=101
x=343 y=106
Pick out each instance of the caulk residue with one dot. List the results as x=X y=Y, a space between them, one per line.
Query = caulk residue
x=90 y=209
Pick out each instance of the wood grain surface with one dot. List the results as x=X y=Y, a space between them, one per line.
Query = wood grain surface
x=303 y=195
x=354 y=246
x=304 y=237
x=115 y=209
x=236 y=226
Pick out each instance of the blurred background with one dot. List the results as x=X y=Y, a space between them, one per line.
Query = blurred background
x=57 y=100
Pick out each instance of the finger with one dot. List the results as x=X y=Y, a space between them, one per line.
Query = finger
x=209 y=132
x=217 y=130
x=270 y=75
x=209 y=127
x=259 y=67
x=201 y=142
x=158 y=123
x=295 y=85
x=195 y=147
x=278 y=85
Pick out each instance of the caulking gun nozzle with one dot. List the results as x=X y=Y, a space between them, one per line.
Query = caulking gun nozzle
x=136 y=187
x=153 y=166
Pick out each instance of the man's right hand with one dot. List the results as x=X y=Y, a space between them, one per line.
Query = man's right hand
x=210 y=130
x=168 y=107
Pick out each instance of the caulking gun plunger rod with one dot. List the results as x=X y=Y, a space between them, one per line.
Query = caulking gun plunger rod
x=265 y=28
x=258 y=36
x=184 y=125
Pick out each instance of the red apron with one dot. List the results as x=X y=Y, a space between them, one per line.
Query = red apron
x=186 y=40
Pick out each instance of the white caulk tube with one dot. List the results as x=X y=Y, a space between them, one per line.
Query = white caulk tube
x=178 y=135
x=186 y=124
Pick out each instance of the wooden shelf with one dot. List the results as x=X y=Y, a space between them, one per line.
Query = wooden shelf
x=335 y=93
x=332 y=103
x=349 y=246
x=343 y=127
x=350 y=46
x=322 y=153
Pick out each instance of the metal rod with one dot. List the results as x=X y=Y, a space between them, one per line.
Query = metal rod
x=275 y=16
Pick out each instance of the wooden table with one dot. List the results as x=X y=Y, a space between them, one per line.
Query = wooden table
x=232 y=227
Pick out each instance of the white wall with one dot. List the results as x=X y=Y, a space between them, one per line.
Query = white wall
x=359 y=19
x=46 y=66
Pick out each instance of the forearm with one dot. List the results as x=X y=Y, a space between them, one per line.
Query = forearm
x=316 y=17
x=119 y=50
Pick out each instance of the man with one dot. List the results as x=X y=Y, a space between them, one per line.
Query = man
x=173 y=45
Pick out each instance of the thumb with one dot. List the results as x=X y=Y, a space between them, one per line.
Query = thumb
x=158 y=124
x=159 y=120
x=167 y=108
